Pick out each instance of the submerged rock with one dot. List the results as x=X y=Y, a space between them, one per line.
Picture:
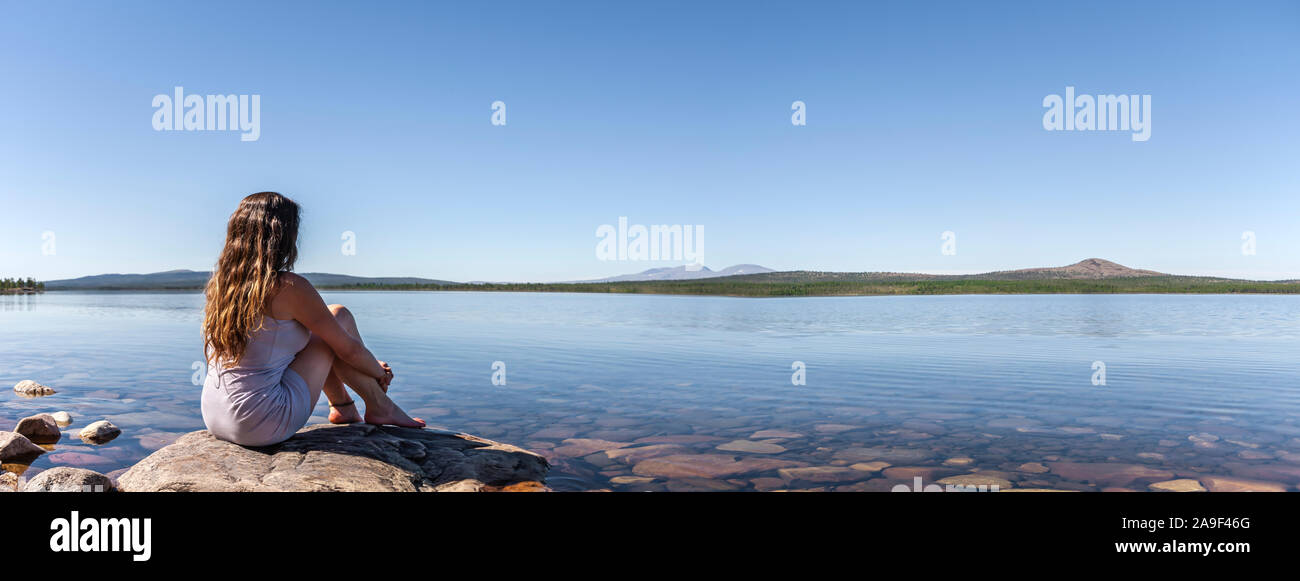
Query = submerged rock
x=66 y=479
x=346 y=458
x=15 y=447
x=100 y=432
x=40 y=428
x=752 y=447
x=820 y=474
x=975 y=481
x=1226 y=484
x=680 y=466
x=30 y=388
x=1179 y=485
x=1107 y=474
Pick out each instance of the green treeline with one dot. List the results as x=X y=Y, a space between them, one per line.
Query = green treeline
x=21 y=284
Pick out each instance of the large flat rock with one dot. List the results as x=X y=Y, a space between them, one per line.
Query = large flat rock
x=325 y=457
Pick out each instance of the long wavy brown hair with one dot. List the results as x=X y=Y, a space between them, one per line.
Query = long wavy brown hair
x=261 y=241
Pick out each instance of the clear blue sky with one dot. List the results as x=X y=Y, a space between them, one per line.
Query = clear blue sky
x=921 y=118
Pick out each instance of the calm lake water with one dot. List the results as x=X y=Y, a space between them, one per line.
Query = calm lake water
x=696 y=393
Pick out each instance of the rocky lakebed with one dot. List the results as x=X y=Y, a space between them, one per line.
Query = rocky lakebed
x=883 y=453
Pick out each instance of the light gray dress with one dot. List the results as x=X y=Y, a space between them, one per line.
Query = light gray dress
x=260 y=401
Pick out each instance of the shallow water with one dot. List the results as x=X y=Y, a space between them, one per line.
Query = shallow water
x=637 y=392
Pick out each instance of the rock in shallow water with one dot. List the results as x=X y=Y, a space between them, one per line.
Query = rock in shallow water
x=1226 y=484
x=40 y=429
x=16 y=447
x=821 y=474
x=100 y=432
x=975 y=481
x=1179 y=485
x=679 y=466
x=1105 y=473
x=752 y=447
x=324 y=457
x=65 y=479
x=30 y=388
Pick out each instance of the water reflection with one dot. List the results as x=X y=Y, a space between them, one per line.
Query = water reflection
x=694 y=393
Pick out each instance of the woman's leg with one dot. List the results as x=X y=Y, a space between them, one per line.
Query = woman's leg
x=381 y=410
x=315 y=363
x=342 y=409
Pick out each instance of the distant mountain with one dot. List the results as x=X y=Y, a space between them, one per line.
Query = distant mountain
x=1091 y=268
x=193 y=279
x=681 y=273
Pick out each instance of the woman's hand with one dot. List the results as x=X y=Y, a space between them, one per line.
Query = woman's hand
x=388 y=374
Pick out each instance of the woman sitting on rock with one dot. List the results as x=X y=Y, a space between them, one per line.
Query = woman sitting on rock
x=273 y=345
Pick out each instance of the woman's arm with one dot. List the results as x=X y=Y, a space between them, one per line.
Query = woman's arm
x=308 y=308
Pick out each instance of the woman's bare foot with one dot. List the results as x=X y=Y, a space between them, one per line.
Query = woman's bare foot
x=344 y=414
x=388 y=414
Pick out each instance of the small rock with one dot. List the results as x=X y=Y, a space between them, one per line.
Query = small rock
x=66 y=479
x=525 y=486
x=678 y=466
x=39 y=428
x=1107 y=474
x=1226 y=484
x=1254 y=455
x=752 y=447
x=1032 y=468
x=30 y=388
x=700 y=485
x=62 y=418
x=821 y=474
x=16 y=447
x=972 y=480
x=870 y=466
x=1179 y=485
x=578 y=447
x=639 y=453
x=8 y=482
x=625 y=480
x=100 y=432
x=959 y=461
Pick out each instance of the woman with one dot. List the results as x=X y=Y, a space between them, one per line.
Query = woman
x=273 y=345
